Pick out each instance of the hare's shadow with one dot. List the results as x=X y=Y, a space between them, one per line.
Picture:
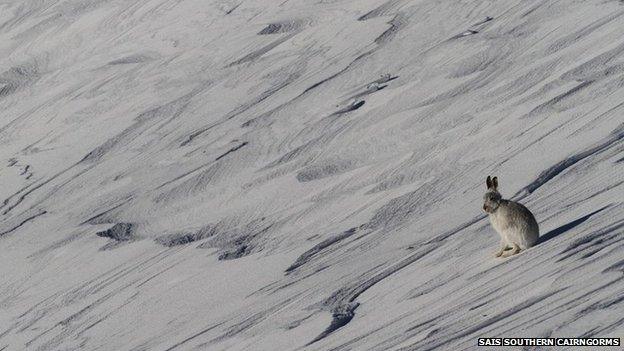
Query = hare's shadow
x=564 y=228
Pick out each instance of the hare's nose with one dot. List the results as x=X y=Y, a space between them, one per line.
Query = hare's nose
x=484 y=208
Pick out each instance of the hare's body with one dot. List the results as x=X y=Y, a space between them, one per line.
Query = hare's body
x=515 y=224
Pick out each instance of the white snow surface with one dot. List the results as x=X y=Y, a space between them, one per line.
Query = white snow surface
x=307 y=175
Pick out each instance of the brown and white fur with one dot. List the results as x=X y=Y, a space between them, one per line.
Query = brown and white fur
x=515 y=224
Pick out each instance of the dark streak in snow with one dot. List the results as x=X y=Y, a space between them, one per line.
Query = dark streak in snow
x=396 y=24
x=119 y=232
x=23 y=222
x=343 y=300
x=548 y=104
x=241 y=109
x=568 y=162
x=381 y=10
x=306 y=256
x=100 y=217
x=435 y=344
x=204 y=331
x=340 y=317
x=258 y=53
x=566 y=227
x=464 y=34
x=233 y=8
x=352 y=107
x=590 y=244
x=238 y=147
x=129 y=60
x=487 y=19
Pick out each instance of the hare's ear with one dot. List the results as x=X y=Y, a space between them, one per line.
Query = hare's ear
x=495 y=182
x=488 y=182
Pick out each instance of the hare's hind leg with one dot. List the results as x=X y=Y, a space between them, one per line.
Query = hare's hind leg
x=514 y=250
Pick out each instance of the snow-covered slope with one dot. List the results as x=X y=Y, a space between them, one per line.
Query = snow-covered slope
x=281 y=175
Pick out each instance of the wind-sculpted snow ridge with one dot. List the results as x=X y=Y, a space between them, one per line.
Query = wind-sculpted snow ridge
x=297 y=175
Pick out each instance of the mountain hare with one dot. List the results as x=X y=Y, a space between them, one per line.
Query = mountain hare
x=515 y=224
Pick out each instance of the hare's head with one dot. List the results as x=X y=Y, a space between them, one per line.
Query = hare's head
x=492 y=198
